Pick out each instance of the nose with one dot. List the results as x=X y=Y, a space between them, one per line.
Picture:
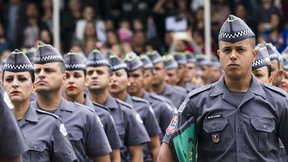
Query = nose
x=41 y=74
x=71 y=79
x=94 y=75
x=15 y=83
x=233 y=55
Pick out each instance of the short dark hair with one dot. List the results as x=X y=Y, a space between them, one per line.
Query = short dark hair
x=30 y=71
x=62 y=67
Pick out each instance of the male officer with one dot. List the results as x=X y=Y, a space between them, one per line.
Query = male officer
x=73 y=89
x=12 y=142
x=84 y=128
x=190 y=73
x=204 y=66
x=171 y=66
x=131 y=131
x=159 y=85
x=148 y=73
x=249 y=116
x=49 y=145
x=163 y=111
x=119 y=88
x=182 y=61
x=215 y=71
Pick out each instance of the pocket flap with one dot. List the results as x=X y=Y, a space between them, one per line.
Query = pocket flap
x=215 y=125
x=75 y=136
x=263 y=124
x=36 y=145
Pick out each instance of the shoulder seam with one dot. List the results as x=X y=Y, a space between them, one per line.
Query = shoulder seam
x=124 y=103
x=48 y=113
x=199 y=90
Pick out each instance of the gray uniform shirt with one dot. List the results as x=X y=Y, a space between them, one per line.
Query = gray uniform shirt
x=12 y=142
x=107 y=122
x=131 y=131
x=247 y=132
x=176 y=95
x=46 y=137
x=84 y=130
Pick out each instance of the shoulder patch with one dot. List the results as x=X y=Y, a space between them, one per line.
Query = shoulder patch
x=124 y=104
x=199 y=90
x=84 y=106
x=137 y=99
x=101 y=106
x=276 y=89
x=47 y=113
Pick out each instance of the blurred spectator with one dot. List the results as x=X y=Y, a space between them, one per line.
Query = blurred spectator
x=112 y=38
x=68 y=21
x=89 y=15
x=133 y=9
x=126 y=47
x=284 y=6
x=219 y=13
x=124 y=32
x=13 y=14
x=47 y=14
x=90 y=38
x=30 y=29
x=241 y=12
x=4 y=55
x=198 y=38
x=118 y=50
x=139 y=41
x=45 y=37
x=109 y=24
x=4 y=43
x=199 y=15
x=277 y=35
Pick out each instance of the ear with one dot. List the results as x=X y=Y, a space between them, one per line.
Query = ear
x=254 y=53
x=63 y=78
x=218 y=53
x=270 y=79
x=86 y=81
x=34 y=87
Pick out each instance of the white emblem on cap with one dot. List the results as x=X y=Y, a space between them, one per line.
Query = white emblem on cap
x=8 y=101
x=63 y=130
x=138 y=118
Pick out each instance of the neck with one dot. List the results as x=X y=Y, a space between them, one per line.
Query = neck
x=121 y=95
x=181 y=83
x=99 y=97
x=137 y=94
x=49 y=101
x=159 y=88
x=149 y=89
x=77 y=98
x=32 y=21
x=238 y=85
x=20 y=109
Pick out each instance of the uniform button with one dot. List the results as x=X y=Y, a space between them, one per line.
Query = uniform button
x=213 y=127
x=264 y=126
x=239 y=130
x=35 y=147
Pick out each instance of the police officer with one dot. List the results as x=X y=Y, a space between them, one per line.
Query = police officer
x=248 y=117
x=119 y=88
x=215 y=70
x=163 y=111
x=191 y=69
x=84 y=128
x=159 y=86
x=73 y=89
x=44 y=132
x=131 y=131
x=171 y=66
x=12 y=142
x=204 y=66
x=30 y=54
x=182 y=61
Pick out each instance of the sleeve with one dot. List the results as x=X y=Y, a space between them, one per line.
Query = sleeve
x=97 y=142
x=151 y=123
x=165 y=118
x=62 y=149
x=12 y=142
x=112 y=133
x=136 y=132
x=283 y=120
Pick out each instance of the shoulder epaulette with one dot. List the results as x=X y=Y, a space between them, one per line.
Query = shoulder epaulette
x=101 y=106
x=275 y=89
x=180 y=89
x=47 y=113
x=84 y=106
x=199 y=90
x=124 y=104
x=137 y=99
x=156 y=97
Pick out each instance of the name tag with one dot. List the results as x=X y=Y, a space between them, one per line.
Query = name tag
x=214 y=116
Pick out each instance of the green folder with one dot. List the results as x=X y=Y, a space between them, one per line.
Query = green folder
x=183 y=142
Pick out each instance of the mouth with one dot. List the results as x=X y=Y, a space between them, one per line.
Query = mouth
x=41 y=82
x=233 y=65
x=282 y=86
x=71 y=88
x=15 y=92
x=113 y=86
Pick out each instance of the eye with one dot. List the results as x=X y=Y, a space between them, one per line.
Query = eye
x=89 y=72
x=37 y=71
x=77 y=75
x=22 y=78
x=8 y=79
x=118 y=74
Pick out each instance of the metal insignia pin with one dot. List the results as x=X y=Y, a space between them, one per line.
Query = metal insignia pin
x=215 y=138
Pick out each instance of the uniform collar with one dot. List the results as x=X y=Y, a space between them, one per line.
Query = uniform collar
x=128 y=99
x=111 y=103
x=31 y=115
x=167 y=89
x=64 y=105
x=255 y=89
x=145 y=94
x=87 y=101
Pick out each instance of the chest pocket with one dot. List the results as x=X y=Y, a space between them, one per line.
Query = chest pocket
x=264 y=127
x=214 y=136
x=38 y=151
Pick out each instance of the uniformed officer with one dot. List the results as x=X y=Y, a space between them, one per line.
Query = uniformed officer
x=131 y=131
x=44 y=132
x=215 y=70
x=276 y=69
x=248 y=117
x=158 y=84
x=12 y=142
x=84 y=128
x=204 y=66
x=191 y=69
x=163 y=111
x=118 y=89
x=171 y=66
x=30 y=54
x=73 y=89
x=182 y=61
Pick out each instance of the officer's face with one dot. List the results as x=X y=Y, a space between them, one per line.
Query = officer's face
x=18 y=86
x=98 y=78
x=135 y=82
x=262 y=74
x=181 y=72
x=190 y=71
x=159 y=73
x=277 y=73
x=147 y=79
x=119 y=82
x=74 y=84
x=284 y=82
x=48 y=77
x=205 y=71
x=172 y=77
x=236 y=58
x=215 y=73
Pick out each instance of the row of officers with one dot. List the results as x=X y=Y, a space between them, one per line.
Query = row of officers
x=71 y=110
